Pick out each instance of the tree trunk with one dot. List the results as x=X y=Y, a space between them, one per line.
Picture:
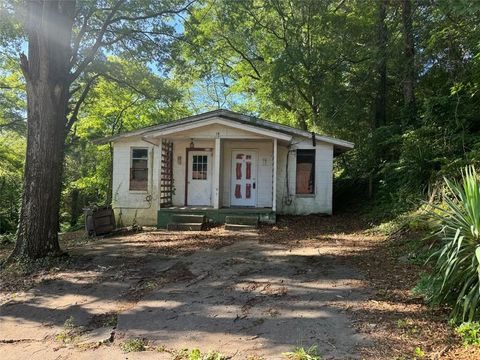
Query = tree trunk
x=381 y=101
x=409 y=52
x=47 y=73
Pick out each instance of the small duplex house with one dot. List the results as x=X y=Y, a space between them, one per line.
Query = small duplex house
x=220 y=164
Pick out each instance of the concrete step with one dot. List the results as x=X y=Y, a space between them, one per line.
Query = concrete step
x=242 y=220
x=237 y=227
x=184 y=226
x=188 y=218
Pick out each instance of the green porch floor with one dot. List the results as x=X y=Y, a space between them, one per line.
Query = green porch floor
x=217 y=216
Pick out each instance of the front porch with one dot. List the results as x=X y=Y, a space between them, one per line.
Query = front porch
x=215 y=216
x=218 y=170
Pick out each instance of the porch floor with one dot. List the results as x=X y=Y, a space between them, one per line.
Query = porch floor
x=216 y=216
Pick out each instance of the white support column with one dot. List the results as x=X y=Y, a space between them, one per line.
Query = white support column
x=216 y=173
x=274 y=180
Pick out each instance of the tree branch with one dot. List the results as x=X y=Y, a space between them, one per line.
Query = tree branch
x=81 y=34
x=98 y=42
x=152 y=15
x=244 y=57
x=80 y=101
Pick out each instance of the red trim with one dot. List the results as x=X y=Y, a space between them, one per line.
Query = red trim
x=248 y=191
x=238 y=192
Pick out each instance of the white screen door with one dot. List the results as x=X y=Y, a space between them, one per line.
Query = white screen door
x=244 y=178
x=199 y=178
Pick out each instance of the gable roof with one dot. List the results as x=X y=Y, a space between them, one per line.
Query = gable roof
x=251 y=121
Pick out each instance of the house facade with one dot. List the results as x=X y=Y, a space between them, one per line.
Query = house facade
x=218 y=163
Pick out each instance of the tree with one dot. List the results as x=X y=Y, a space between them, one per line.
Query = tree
x=65 y=44
x=410 y=72
x=110 y=109
x=381 y=102
x=292 y=61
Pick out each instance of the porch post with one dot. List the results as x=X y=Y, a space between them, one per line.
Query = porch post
x=274 y=179
x=216 y=174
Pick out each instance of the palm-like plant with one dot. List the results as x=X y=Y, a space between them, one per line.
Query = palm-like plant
x=458 y=259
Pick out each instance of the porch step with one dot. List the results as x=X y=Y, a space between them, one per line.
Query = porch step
x=242 y=220
x=188 y=219
x=237 y=227
x=241 y=223
x=185 y=226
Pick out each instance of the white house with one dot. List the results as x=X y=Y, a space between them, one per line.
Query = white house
x=220 y=163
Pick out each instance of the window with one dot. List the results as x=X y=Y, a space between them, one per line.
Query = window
x=199 y=167
x=139 y=169
x=305 y=172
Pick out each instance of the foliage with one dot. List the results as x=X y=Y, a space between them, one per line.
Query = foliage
x=313 y=64
x=427 y=287
x=70 y=332
x=301 y=353
x=196 y=354
x=133 y=345
x=458 y=259
x=110 y=109
x=469 y=332
x=12 y=149
x=419 y=353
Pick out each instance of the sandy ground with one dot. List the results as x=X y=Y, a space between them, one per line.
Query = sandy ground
x=241 y=295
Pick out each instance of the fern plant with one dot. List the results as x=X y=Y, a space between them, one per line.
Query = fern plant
x=458 y=259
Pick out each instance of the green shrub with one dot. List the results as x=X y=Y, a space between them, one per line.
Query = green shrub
x=196 y=354
x=458 y=259
x=301 y=354
x=469 y=332
x=419 y=353
x=7 y=239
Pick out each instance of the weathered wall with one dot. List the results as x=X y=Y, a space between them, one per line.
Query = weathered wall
x=130 y=205
x=320 y=202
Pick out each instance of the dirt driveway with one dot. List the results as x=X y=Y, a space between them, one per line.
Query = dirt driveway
x=251 y=295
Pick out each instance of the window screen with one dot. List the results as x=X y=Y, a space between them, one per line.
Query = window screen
x=305 y=172
x=199 y=167
x=139 y=169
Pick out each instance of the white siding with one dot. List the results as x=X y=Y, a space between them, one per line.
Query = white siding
x=143 y=205
x=290 y=203
x=130 y=205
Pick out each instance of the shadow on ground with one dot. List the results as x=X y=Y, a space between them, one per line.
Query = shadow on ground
x=289 y=285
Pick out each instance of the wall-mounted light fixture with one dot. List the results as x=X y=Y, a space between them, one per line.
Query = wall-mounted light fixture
x=179 y=160
x=192 y=145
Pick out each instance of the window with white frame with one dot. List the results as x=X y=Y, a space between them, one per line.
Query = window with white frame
x=139 y=169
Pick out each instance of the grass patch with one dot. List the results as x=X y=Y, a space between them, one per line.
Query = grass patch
x=196 y=354
x=301 y=353
x=71 y=332
x=134 y=345
x=426 y=287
